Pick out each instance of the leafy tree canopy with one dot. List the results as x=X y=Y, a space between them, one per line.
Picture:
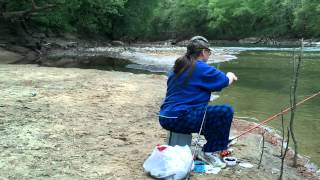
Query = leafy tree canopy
x=155 y=19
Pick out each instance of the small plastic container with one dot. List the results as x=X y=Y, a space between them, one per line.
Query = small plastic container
x=230 y=161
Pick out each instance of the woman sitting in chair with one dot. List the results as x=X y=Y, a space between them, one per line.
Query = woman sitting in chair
x=189 y=88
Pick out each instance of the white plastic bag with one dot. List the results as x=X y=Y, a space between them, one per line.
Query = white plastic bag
x=167 y=162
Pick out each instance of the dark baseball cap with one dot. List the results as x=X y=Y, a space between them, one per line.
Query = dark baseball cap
x=199 y=42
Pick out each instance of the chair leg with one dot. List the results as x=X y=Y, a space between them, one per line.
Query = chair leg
x=179 y=139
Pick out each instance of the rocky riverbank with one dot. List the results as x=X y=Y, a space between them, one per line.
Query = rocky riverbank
x=59 y=123
x=68 y=50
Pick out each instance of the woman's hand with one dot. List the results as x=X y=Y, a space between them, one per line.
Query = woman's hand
x=232 y=77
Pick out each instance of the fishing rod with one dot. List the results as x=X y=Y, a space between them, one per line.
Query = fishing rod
x=274 y=116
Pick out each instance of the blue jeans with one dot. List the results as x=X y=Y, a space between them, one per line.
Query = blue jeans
x=216 y=128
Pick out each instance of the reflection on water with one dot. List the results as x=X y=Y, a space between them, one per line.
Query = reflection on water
x=263 y=90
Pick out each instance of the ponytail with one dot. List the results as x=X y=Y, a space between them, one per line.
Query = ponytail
x=186 y=62
x=181 y=64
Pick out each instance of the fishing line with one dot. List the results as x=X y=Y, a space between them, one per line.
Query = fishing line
x=197 y=142
x=274 y=116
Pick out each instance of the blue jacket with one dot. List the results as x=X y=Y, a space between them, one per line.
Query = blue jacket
x=181 y=96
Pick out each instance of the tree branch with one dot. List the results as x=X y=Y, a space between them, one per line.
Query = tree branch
x=34 y=6
x=262 y=149
x=28 y=12
x=284 y=155
x=282 y=125
x=294 y=97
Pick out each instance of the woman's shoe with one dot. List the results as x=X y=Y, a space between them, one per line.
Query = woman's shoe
x=212 y=159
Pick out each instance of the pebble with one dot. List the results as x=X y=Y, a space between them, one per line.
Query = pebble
x=275 y=171
x=245 y=165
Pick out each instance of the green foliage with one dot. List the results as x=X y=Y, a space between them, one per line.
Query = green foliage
x=162 y=19
x=135 y=21
x=234 y=19
x=307 y=18
x=225 y=17
x=190 y=17
x=91 y=16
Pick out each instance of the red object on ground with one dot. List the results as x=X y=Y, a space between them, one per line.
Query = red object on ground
x=225 y=153
x=161 y=148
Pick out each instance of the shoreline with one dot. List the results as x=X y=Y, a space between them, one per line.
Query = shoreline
x=43 y=48
x=87 y=123
x=273 y=137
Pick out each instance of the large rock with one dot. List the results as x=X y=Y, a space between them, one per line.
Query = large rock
x=117 y=43
x=30 y=57
x=311 y=43
x=7 y=57
x=60 y=43
x=63 y=62
x=18 y=49
x=250 y=40
x=69 y=36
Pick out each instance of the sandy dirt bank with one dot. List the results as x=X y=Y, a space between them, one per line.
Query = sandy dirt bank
x=58 y=123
